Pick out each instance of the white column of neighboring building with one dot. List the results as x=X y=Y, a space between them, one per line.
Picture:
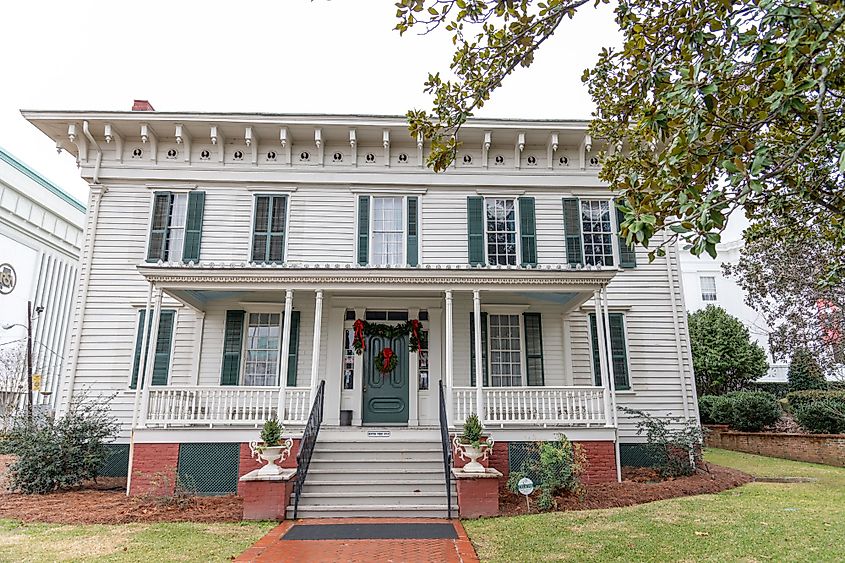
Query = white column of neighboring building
x=611 y=379
x=150 y=361
x=449 y=376
x=602 y=358
x=315 y=346
x=283 y=364
x=479 y=365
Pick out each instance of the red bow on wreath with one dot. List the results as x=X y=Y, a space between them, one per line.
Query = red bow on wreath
x=387 y=355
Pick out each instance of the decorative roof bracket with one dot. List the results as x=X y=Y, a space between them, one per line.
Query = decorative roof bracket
x=149 y=136
x=111 y=134
x=183 y=137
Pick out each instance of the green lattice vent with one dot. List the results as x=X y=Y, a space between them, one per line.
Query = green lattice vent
x=519 y=453
x=117 y=462
x=636 y=455
x=209 y=468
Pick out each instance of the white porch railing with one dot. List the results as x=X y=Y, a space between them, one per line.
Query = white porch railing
x=549 y=406
x=229 y=405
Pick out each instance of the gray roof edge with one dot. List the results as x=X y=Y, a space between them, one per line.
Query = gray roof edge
x=7 y=157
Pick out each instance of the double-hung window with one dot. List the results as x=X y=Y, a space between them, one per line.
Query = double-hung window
x=597 y=231
x=176 y=226
x=261 y=362
x=505 y=350
x=500 y=231
x=708 y=288
x=619 y=350
x=388 y=231
x=268 y=229
x=511 y=349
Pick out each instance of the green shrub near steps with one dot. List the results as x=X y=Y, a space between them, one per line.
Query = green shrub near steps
x=823 y=416
x=751 y=411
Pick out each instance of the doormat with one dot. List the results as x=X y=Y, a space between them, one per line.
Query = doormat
x=409 y=531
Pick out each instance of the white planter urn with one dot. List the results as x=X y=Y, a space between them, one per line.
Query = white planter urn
x=270 y=454
x=473 y=454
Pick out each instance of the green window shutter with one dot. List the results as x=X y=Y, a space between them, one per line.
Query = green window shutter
x=232 y=342
x=278 y=218
x=261 y=228
x=268 y=228
x=138 y=340
x=627 y=254
x=533 y=349
x=161 y=366
x=193 y=227
x=472 y=348
x=363 y=230
x=475 y=230
x=158 y=226
x=161 y=361
x=619 y=352
x=413 y=231
x=528 y=231
x=293 y=351
x=572 y=230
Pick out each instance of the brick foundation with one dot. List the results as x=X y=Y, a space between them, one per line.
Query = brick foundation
x=478 y=497
x=154 y=469
x=265 y=500
x=828 y=449
x=601 y=461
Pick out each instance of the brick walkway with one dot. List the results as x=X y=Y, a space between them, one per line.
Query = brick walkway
x=273 y=548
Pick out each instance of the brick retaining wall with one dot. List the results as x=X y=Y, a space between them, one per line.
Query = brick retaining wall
x=828 y=449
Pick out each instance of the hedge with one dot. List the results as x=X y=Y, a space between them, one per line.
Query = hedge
x=798 y=399
x=748 y=411
x=824 y=416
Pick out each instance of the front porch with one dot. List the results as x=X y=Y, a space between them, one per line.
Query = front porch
x=311 y=314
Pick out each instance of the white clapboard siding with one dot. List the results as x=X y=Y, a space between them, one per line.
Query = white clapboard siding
x=321 y=227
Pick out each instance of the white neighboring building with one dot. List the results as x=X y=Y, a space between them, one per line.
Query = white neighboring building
x=706 y=284
x=40 y=239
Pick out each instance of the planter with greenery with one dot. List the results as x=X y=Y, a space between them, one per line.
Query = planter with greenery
x=473 y=444
x=271 y=448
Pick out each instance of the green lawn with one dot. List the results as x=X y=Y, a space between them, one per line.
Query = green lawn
x=757 y=522
x=128 y=542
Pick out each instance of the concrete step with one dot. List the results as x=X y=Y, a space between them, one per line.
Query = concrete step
x=358 y=445
x=340 y=484
x=410 y=453
x=374 y=465
x=372 y=511
x=377 y=474
x=358 y=498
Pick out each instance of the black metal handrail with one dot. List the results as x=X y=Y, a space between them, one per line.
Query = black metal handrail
x=447 y=450
x=306 y=446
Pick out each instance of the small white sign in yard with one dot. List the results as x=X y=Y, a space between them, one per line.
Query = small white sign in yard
x=526 y=487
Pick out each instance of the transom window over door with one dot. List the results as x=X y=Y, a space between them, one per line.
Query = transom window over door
x=268 y=238
x=261 y=365
x=505 y=351
x=500 y=229
x=388 y=231
x=597 y=231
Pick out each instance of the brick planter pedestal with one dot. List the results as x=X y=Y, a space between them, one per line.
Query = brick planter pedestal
x=266 y=497
x=478 y=493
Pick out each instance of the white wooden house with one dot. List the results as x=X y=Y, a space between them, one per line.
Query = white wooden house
x=254 y=242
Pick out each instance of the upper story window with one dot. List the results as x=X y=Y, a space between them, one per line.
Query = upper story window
x=176 y=226
x=597 y=232
x=708 y=288
x=500 y=231
x=388 y=230
x=268 y=229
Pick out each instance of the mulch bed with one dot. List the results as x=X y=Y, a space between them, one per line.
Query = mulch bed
x=639 y=486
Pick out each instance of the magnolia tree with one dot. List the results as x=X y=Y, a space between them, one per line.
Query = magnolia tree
x=724 y=357
x=708 y=107
x=786 y=280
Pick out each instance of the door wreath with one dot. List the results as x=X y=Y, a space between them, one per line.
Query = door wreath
x=386 y=361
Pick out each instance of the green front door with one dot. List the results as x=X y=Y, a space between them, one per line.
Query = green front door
x=386 y=394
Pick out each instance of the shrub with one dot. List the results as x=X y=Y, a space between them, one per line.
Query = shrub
x=798 y=399
x=825 y=416
x=558 y=469
x=706 y=403
x=722 y=410
x=751 y=411
x=804 y=372
x=58 y=453
x=777 y=388
x=472 y=431
x=674 y=444
x=271 y=433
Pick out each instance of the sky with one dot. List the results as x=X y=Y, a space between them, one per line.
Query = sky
x=282 y=56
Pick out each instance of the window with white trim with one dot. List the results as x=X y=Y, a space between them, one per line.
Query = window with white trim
x=388 y=228
x=505 y=350
x=261 y=363
x=500 y=231
x=597 y=232
x=708 y=288
x=167 y=233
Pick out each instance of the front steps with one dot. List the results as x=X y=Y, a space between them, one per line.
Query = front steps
x=354 y=474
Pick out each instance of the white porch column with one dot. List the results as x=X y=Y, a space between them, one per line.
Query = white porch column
x=315 y=345
x=608 y=415
x=479 y=365
x=449 y=375
x=285 y=353
x=142 y=361
x=150 y=361
x=612 y=381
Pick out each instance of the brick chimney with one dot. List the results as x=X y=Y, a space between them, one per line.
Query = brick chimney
x=142 y=105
